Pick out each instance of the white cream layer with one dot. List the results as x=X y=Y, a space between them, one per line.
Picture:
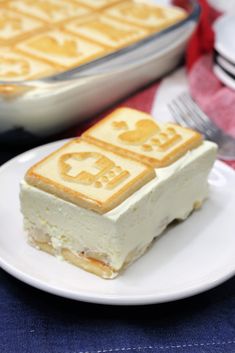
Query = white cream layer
x=132 y=225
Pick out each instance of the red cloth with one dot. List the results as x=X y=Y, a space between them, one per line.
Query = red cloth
x=215 y=99
x=202 y=40
x=142 y=100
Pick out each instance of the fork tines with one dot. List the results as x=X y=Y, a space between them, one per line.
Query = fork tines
x=187 y=113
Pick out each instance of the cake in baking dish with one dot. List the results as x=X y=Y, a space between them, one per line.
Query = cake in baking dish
x=57 y=35
x=100 y=200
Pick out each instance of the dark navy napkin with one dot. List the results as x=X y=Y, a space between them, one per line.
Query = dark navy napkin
x=35 y=322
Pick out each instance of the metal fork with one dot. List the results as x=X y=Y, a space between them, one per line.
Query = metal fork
x=187 y=113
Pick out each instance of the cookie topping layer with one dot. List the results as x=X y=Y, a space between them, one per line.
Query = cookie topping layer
x=89 y=176
x=68 y=33
x=136 y=134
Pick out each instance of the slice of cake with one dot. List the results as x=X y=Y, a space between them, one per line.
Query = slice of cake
x=100 y=200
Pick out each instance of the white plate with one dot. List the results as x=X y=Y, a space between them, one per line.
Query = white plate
x=223 y=5
x=224 y=77
x=225 y=31
x=226 y=65
x=189 y=258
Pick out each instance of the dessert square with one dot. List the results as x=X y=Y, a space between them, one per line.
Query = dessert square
x=15 y=66
x=101 y=211
x=49 y=10
x=105 y=244
x=97 y=4
x=61 y=48
x=107 y=31
x=89 y=176
x=143 y=13
x=137 y=135
x=13 y=25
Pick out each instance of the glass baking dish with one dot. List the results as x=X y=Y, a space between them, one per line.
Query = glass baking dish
x=45 y=106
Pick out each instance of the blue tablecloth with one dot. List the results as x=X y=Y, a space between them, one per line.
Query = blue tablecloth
x=32 y=321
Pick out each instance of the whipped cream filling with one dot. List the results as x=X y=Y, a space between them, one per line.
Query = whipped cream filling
x=121 y=233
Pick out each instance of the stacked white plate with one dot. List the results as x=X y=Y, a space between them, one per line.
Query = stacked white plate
x=224 y=54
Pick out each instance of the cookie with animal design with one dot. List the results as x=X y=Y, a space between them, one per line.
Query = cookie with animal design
x=144 y=14
x=15 y=26
x=15 y=66
x=107 y=31
x=50 y=11
x=136 y=134
x=60 y=48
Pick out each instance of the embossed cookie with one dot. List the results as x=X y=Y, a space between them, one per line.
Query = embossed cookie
x=14 y=26
x=49 y=10
x=142 y=13
x=61 y=48
x=135 y=134
x=107 y=31
x=89 y=176
x=15 y=66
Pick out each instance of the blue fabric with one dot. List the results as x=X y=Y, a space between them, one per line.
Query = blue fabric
x=32 y=321
x=35 y=322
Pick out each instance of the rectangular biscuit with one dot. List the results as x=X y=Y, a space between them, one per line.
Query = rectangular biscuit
x=107 y=31
x=89 y=176
x=137 y=135
x=61 y=48
x=14 y=26
x=143 y=13
x=50 y=11
x=15 y=66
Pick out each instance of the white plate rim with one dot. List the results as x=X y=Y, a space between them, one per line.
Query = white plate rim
x=228 y=271
x=219 y=45
x=224 y=77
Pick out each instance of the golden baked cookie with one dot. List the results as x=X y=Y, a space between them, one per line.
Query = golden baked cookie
x=137 y=135
x=89 y=176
